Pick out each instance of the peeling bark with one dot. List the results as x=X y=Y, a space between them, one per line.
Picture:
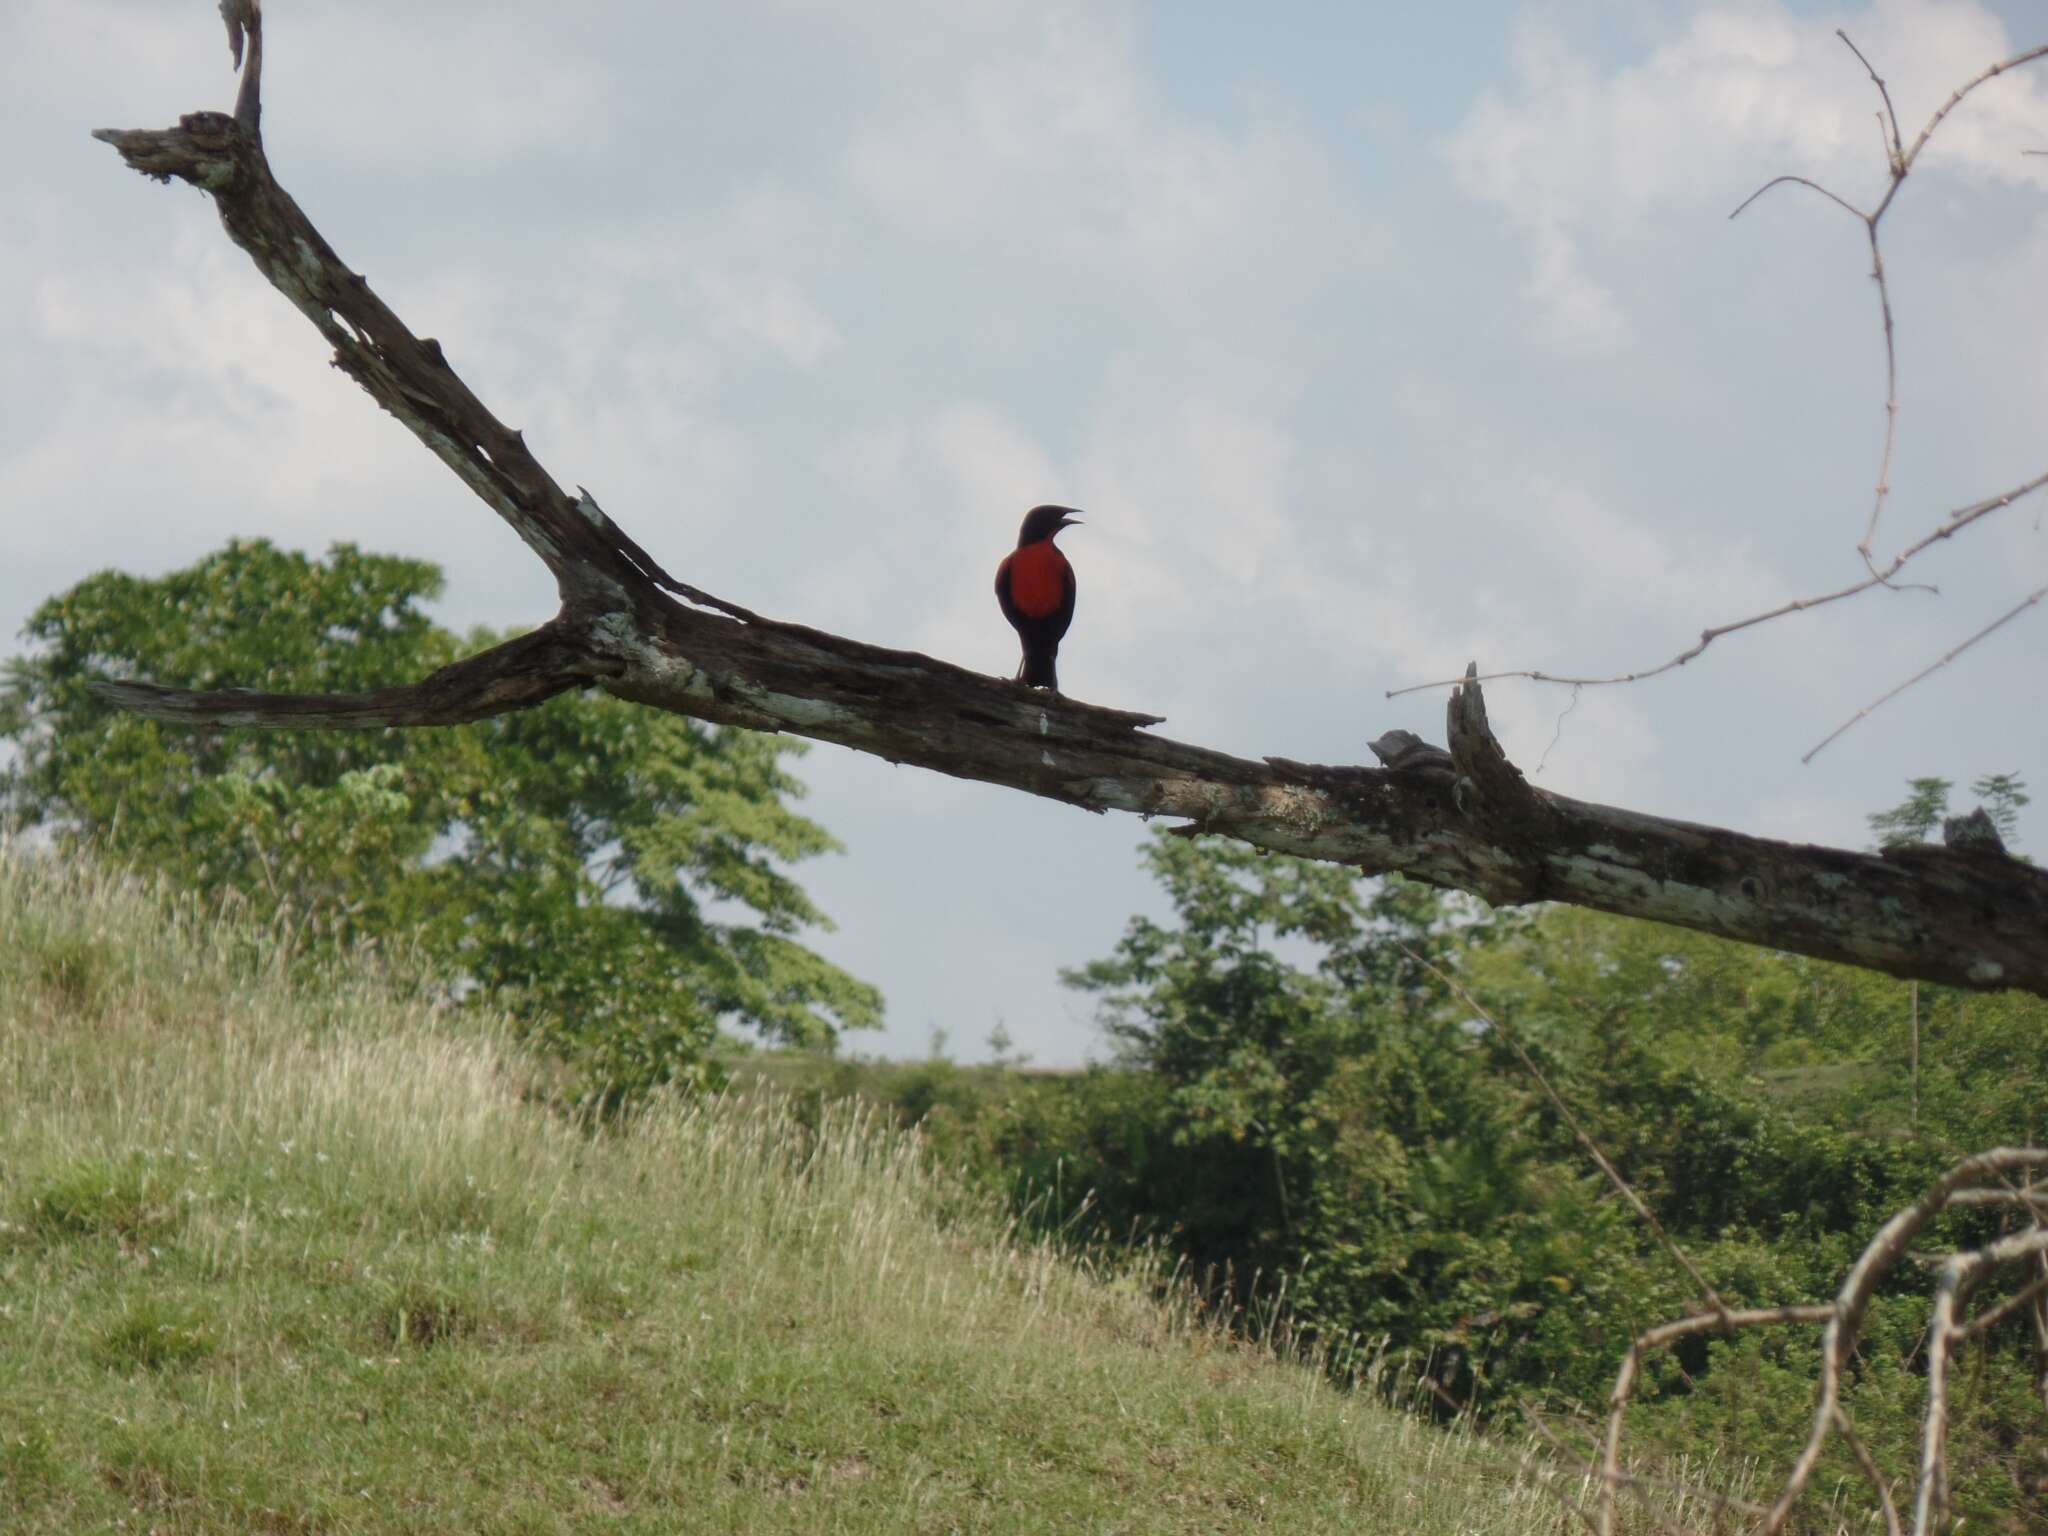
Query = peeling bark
x=1463 y=818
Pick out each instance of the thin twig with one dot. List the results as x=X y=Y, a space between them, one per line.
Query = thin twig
x=2034 y=1199
x=1991 y=1317
x=1960 y=1275
x=1928 y=671
x=1799 y=181
x=1870 y=1469
x=1949 y=527
x=1952 y=103
x=1894 y=151
x=1891 y=404
x=1707 y=1292
x=1611 y=1475
x=1557 y=735
x=1842 y=1318
x=2038 y=1315
x=1900 y=164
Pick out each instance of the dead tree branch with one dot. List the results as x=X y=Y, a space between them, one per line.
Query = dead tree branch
x=1960 y=1276
x=1464 y=819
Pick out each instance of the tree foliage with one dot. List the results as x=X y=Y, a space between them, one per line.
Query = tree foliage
x=615 y=877
x=1918 y=817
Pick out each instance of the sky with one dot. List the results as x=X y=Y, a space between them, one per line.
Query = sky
x=1370 y=338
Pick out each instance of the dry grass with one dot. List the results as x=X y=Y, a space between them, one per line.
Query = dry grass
x=292 y=1257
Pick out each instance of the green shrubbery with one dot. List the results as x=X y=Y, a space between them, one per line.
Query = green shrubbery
x=1296 y=1106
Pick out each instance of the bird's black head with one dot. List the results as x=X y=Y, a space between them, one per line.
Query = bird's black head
x=1044 y=522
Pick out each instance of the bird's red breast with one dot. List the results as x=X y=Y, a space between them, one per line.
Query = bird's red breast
x=1038 y=578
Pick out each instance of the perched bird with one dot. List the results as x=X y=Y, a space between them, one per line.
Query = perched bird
x=1035 y=586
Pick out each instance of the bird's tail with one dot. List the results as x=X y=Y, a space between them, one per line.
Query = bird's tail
x=1037 y=670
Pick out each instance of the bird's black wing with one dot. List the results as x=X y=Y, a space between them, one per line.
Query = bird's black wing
x=1058 y=620
x=1011 y=611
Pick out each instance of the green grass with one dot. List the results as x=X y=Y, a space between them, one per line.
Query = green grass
x=310 y=1259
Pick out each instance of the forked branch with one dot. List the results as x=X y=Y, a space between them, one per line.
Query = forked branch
x=1961 y=1274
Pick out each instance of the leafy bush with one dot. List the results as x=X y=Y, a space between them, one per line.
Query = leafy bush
x=573 y=864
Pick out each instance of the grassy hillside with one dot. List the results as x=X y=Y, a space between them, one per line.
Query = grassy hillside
x=308 y=1260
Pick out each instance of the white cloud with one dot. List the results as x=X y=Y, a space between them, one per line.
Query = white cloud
x=1581 y=159
x=469 y=96
x=1051 y=158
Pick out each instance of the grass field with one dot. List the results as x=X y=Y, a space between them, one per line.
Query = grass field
x=309 y=1259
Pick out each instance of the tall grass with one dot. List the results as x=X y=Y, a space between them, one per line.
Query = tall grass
x=282 y=1255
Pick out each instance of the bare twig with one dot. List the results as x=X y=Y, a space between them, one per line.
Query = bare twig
x=1799 y=181
x=1959 y=1277
x=2038 y=1316
x=1925 y=672
x=1883 y=1251
x=1951 y=104
x=1662 y=1337
x=1949 y=527
x=1842 y=1318
x=1900 y=161
x=2034 y=1199
x=1893 y=151
x=1871 y=1473
x=2020 y=1300
x=1557 y=735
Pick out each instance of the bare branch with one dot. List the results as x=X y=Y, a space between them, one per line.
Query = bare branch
x=1925 y=672
x=2038 y=1316
x=1799 y=181
x=516 y=675
x=1662 y=1337
x=407 y=375
x=1948 y=528
x=1884 y=1250
x=1959 y=1277
x=2019 y=1301
x=1841 y=1320
x=2035 y=1200
x=1906 y=160
x=1900 y=162
x=1871 y=1472
x=1893 y=145
x=245 y=19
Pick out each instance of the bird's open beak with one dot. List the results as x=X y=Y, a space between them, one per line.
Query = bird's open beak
x=1071 y=522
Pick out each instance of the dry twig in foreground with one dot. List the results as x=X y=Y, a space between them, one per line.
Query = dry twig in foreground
x=1960 y=1276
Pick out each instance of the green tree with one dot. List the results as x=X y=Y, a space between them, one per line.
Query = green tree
x=613 y=877
x=2002 y=795
x=1916 y=818
x=1331 y=1124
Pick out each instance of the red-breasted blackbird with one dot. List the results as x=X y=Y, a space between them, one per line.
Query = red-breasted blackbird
x=1035 y=586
